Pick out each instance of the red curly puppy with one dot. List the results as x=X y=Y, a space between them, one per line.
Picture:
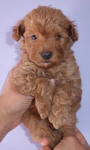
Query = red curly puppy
x=48 y=72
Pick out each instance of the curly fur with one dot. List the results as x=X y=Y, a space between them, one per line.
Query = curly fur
x=55 y=85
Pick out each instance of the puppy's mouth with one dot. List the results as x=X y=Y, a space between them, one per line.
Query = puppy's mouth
x=46 y=64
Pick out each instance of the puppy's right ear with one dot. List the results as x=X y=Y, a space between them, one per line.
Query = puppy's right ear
x=18 y=30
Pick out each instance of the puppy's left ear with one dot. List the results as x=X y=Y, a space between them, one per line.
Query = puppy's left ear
x=72 y=32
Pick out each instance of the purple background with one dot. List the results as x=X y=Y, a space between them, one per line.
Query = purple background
x=13 y=10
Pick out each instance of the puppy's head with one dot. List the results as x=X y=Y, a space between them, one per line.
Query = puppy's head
x=47 y=34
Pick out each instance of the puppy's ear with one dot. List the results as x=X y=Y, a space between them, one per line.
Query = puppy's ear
x=72 y=32
x=18 y=30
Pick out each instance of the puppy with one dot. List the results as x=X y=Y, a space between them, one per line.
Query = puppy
x=48 y=72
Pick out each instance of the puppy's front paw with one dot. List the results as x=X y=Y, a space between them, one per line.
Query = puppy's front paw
x=44 y=96
x=43 y=105
x=62 y=119
x=54 y=121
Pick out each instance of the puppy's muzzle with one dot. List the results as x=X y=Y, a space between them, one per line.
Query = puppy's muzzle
x=46 y=55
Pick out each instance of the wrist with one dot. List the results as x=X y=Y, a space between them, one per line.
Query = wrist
x=6 y=120
x=4 y=125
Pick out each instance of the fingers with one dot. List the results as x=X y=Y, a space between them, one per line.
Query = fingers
x=45 y=148
x=69 y=143
x=81 y=138
x=45 y=142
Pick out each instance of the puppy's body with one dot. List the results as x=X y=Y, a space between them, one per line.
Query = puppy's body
x=49 y=73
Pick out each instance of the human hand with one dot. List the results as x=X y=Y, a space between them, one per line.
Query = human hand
x=69 y=143
x=12 y=107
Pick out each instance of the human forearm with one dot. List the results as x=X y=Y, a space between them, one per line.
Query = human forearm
x=8 y=119
x=12 y=107
x=4 y=119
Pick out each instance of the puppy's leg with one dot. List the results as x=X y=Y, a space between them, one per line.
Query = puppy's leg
x=63 y=119
x=23 y=79
x=44 y=96
x=62 y=115
x=41 y=129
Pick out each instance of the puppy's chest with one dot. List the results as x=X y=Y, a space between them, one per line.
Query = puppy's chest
x=55 y=77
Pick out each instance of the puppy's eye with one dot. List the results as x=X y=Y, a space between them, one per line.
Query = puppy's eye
x=33 y=37
x=58 y=36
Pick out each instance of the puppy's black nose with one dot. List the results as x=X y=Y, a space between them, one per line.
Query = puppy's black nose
x=46 y=55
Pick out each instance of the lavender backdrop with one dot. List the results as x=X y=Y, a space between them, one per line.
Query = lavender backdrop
x=10 y=12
